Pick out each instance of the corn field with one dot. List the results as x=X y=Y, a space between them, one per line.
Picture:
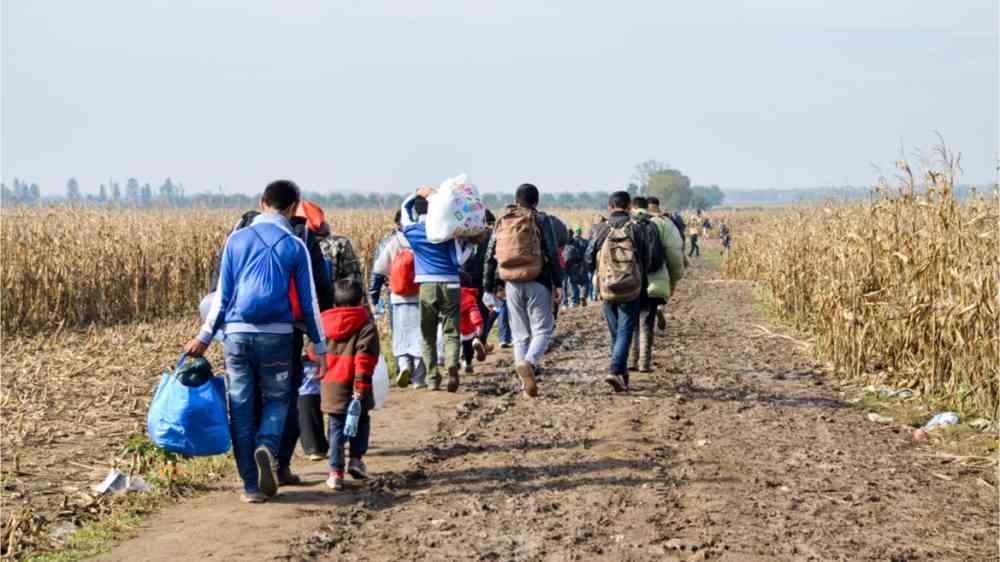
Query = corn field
x=75 y=268
x=902 y=290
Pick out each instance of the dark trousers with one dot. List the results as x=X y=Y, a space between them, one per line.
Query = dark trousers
x=488 y=317
x=311 y=427
x=621 y=320
x=467 y=351
x=695 y=250
x=290 y=434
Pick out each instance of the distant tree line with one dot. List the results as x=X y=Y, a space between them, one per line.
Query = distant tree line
x=652 y=178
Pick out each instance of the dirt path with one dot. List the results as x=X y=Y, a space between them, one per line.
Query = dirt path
x=737 y=448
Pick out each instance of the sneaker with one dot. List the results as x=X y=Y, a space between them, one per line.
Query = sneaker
x=469 y=370
x=317 y=457
x=418 y=385
x=403 y=378
x=616 y=383
x=253 y=497
x=436 y=383
x=452 y=379
x=505 y=345
x=661 y=321
x=645 y=369
x=488 y=347
x=480 y=350
x=527 y=374
x=335 y=481
x=357 y=469
x=288 y=478
x=266 y=477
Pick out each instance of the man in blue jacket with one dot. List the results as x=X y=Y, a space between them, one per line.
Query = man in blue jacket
x=259 y=264
x=436 y=268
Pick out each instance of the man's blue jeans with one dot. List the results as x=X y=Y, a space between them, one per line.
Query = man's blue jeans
x=258 y=367
x=621 y=324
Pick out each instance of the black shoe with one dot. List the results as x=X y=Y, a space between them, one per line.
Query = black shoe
x=267 y=479
x=288 y=478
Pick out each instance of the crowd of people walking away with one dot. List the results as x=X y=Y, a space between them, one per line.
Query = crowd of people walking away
x=301 y=343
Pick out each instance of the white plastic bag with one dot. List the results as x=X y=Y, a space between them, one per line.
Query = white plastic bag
x=455 y=210
x=380 y=382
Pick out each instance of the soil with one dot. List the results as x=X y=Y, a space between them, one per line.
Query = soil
x=738 y=447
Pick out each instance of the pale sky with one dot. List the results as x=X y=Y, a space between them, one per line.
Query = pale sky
x=395 y=94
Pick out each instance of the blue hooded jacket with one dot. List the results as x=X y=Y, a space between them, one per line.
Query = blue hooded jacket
x=259 y=263
x=432 y=263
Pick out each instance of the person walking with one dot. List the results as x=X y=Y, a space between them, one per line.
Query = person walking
x=726 y=237
x=474 y=270
x=354 y=353
x=621 y=251
x=436 y=270
x=659 y=282
x=523 y=252
x=309 y=225
x=259 y=263
x=395 y=266
x=576 y=275
x=693 y=237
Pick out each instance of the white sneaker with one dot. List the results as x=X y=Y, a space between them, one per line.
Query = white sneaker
x=335 y=482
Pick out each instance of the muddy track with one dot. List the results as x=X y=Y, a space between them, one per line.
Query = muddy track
x=738 y=447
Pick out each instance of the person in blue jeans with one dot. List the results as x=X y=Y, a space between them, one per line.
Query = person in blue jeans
x=259 y=264
x=622 y=311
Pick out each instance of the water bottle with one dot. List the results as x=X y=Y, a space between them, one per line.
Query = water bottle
x=353 y=417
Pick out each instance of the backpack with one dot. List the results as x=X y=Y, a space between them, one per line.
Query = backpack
x=402 y=274
x=572 y=254
x=343 y=261
x=618 y=272
x=519 y=245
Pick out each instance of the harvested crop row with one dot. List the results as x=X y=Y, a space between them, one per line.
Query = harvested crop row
x=902 y=290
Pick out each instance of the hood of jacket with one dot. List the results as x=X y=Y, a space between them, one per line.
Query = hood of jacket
x=342 y=321
x=619 y=218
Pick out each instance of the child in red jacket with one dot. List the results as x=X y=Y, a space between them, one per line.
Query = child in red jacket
x=353 y=350
x=471 y=328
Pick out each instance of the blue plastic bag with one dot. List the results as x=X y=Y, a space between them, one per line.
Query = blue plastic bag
x=189 y=420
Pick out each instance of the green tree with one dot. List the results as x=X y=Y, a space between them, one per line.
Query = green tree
x=643 y=172
x=672 y=188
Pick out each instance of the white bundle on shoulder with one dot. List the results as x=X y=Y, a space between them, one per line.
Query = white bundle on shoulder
x=455 y=210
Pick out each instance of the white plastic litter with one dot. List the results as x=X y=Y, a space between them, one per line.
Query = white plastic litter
x=118 y=483
x=942 y=419
x=380 y=383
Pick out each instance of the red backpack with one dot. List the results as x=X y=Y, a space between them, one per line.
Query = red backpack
x=402 y=274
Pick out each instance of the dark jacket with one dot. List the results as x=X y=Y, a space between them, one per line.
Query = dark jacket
x=475 y=267
x=353 y=344
x=321 y=275
x=551 y=275
x=645 y=238
x=576 y=268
